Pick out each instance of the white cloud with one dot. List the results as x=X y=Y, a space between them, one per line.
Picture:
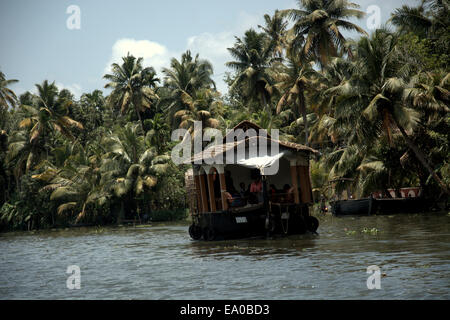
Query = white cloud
x=210 y=46
x=75 y=88
x=213 y=46
x=154 y=54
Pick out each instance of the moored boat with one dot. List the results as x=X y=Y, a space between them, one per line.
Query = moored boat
x=352 y=207
x=372 y=206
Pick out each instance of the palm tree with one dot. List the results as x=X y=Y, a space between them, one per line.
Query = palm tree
x=131 y=166
x=430 y=92
x=343 y=164
x=275 y=29
x=94 y=99
x=21 y=155
x=318 y=24
x=132 y=85
x=49 y=114
x=411 y=19
x=183 y=79
x=253 y=56
x=77 y=185
x=425 y=20
x=3 y=172
x=324 y=99
x=159 y=133
x=293 y=80
x=201 y=107
x=91 y=109
x=377 y=88
x=7 y=97
x=373 y=175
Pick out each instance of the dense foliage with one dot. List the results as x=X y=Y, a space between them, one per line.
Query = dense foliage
x=377 y=109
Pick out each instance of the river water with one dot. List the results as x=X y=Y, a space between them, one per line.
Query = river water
x=161 y=262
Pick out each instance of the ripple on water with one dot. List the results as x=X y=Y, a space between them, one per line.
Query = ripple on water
x=161 y=262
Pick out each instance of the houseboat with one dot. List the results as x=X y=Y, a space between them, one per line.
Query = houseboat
x=236 y=192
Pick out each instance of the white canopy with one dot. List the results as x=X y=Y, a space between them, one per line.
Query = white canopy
x=267 y=165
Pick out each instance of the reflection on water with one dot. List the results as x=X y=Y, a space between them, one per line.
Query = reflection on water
x=255 y=247
x=161 y=262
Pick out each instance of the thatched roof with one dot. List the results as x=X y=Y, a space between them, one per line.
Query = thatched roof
x=218 y=151
x=246 y=125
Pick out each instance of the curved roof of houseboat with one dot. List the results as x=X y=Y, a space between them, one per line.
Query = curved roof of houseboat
x=220 y=150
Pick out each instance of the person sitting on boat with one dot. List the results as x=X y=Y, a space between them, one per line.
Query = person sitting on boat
x=243 y=192
x=234 y=200
x=288 y=193
x=273 y=193
x=256 y=189
x=229 y=198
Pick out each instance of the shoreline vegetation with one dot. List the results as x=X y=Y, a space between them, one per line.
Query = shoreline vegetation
x=376 y=107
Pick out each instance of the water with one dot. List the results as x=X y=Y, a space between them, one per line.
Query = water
x=161 y=262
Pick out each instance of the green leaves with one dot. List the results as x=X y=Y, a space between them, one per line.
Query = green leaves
x=317 y=24
x=253 y=56
x=7 y=97
x=133 y=85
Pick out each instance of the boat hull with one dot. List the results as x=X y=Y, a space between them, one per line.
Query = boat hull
x=352 y=207
x=253 y=222
x=371 y=206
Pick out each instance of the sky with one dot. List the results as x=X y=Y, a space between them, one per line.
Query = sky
x=39 y=41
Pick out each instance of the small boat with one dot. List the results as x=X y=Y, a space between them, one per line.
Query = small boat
x=352 y=207
x=219 y=212
x=403 y=205
x=386 y=206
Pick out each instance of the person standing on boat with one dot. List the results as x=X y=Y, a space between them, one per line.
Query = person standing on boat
x=256 y=189
x=273 y=193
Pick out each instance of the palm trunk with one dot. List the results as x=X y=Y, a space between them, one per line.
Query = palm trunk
x=140 y=119
x=420 y=156
x=305 y=120
x=266 y=106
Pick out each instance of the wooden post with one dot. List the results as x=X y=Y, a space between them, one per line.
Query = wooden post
x=203 y=193
x=308 y=181
x=212 y=198
x=305 y=184
x=223 y=189
x=294 y=179
x=198 y=193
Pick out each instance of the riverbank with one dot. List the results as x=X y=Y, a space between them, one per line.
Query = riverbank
x=162 y=216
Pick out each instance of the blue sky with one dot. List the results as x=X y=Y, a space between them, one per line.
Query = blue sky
x=37 y=45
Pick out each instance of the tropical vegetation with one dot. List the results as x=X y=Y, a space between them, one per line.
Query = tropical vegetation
x=376 y=107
